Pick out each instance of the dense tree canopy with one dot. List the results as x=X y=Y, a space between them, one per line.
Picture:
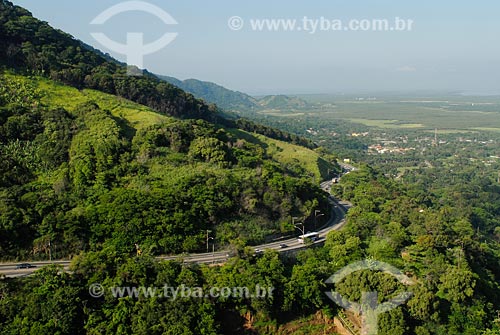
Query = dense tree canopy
x=83 y=180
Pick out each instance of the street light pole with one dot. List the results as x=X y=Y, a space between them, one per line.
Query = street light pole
x=213 y=252
x=316 y=217
x=208 y=238
x=295 y=225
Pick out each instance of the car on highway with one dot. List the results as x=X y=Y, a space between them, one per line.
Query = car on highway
x=283 y=245
x=25 y=266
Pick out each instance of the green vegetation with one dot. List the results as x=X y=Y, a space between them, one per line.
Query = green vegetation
x=33 y=47
x=445 y=111
x=213 y=93
x=282 y=102
x=137 y=116
x=448 y=113
x=292 y=156
x=111 y=171
x=93 y=162
x=432 y=209
x=388 y=124
x=233 y=101
x=455 y=270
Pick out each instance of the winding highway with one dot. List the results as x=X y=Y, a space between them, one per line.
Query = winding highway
x=336 y=222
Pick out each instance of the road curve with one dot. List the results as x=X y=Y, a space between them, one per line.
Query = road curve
x=336 y=222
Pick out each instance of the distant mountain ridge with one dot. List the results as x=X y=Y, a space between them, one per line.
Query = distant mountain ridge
x=282 y=101
x=214 y=93
x=32 y=47
x=234 y=100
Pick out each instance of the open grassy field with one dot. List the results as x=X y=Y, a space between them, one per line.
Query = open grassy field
x=386 y=123
x=287 y=153
x=447 y=112
x=139 y=116
x=488 y=129
x=69 y=98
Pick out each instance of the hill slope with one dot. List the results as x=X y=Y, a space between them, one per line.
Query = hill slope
x=282 y=102
x=35 y=47
x=93 y=157
x=213 y=93
x=233 y=100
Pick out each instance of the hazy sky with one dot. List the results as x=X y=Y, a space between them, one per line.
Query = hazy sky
x=454 y=45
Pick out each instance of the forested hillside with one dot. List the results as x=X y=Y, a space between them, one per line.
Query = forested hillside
x=34 y=47
x=238 y=102
x=93 y=163
x=82 y=168
x=213 y=93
